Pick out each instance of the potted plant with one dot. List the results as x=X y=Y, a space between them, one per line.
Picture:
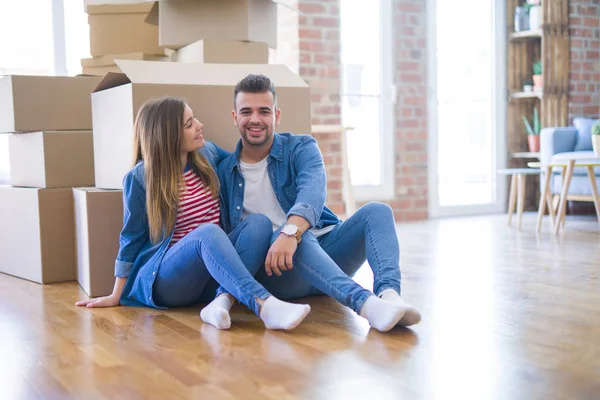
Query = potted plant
x=538 y=79
x=533 y=132
x=596 y=138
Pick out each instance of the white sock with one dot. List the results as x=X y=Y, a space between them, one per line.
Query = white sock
x=412 y=316
x=217 y=312
x=382 y=315
x=277 y=314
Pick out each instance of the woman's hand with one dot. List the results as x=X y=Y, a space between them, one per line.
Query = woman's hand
x=106 y=301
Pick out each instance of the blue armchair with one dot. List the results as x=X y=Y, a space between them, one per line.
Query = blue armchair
x=563 y=144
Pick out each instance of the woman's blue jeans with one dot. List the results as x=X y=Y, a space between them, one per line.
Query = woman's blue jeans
x=184 y=275
x=325 y=264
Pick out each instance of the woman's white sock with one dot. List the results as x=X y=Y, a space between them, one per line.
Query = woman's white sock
x=217 y=312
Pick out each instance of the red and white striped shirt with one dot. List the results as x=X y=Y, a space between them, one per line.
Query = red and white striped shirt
x=196 y=207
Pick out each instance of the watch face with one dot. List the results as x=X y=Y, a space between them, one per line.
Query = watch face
x=290 y=229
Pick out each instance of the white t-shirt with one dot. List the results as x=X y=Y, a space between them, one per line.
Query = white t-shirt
x=259 y=197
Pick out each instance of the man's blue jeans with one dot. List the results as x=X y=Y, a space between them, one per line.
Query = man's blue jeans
x=325 y=264
x=232 y=260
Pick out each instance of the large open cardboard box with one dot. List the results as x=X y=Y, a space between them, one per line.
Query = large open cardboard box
x=37 y=103
x=207 y=88
x=223 y=52
x=51 y=159
x=121 y=28
x=37 y=234
x=98 y=223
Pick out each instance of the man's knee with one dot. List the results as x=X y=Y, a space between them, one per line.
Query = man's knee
x=376 y=208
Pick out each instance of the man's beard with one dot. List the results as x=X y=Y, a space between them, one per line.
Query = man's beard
x=257 y=141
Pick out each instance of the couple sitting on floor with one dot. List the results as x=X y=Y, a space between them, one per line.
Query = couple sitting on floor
x=253 y=222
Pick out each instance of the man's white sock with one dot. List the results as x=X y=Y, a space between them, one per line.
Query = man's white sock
x=382 y=315
x=217 y=312
x=277 y=314
x=412 y=316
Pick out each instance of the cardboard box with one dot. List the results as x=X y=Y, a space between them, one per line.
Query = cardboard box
x=223 y=52
x=100 y=71
x=37 y=234
x=98 y=224
x=101 y=65
x=51 y=159
x=208 y=90
x=37 y=103
x=121 y=28
x=181 y=22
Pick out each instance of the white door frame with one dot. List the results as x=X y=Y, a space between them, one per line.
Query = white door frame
x=499 y=93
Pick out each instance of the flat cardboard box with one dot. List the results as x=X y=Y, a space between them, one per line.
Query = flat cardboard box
x=223 y=52
x=37 y=234
x=181 y=22
x=98 y=224
x=101 y=65
x=121 y=28
x=87 y=3
x=37 y=103
x=100 y=71
x=51 y=159
x=207 y=88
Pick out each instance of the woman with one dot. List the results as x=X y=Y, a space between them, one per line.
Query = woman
x=171 y=243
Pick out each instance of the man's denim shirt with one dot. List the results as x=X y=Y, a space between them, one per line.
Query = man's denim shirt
x=138 y=258
x=297 y=173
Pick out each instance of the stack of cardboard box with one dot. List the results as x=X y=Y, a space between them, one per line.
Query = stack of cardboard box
x=207 y=31
x=50 y=149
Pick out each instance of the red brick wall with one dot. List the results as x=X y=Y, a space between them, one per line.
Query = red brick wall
x=410 y=30
x=584 y=31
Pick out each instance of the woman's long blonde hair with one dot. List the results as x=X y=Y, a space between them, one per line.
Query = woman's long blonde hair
x=157 y=139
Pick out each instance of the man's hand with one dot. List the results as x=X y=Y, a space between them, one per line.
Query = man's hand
x=279 y=257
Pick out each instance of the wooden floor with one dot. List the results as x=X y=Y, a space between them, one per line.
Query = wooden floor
x=507 y=315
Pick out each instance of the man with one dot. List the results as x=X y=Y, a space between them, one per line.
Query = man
x=283 y=177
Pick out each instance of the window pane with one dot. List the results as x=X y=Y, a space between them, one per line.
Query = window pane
x=364 y=141
x=361 y=46
x=77 y=34
x=26 y=37
x=464 y=164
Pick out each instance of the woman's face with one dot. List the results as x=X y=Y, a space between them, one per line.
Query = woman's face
x=192 y=138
